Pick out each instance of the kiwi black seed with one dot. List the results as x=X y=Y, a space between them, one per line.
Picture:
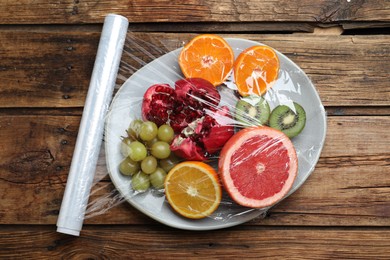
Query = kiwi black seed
x=251 y=111
x=286 y=120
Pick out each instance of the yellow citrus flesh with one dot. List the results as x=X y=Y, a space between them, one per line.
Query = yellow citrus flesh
x=193 y=189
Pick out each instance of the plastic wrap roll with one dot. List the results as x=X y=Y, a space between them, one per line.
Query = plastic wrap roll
x=90 y=133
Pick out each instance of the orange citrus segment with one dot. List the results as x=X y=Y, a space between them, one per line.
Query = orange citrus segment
x=193 y=189
x=207 y=56
x=255 y=70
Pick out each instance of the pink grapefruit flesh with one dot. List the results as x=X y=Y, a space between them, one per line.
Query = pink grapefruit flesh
x=258 y=166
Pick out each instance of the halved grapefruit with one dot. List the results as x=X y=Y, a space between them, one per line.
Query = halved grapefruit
x=258 y=166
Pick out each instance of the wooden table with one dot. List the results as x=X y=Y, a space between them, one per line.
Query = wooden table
x=47 y=52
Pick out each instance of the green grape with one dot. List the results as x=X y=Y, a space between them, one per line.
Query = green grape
x=140 y=181
x=148 y=131
x=151 y=142
x=134 y=129
x=165 y=133
x=125 y=149
x=149 y=164
x=138 y=151
x=168 y=163
x=160 y=150
x=157 y=178
x=128 y=167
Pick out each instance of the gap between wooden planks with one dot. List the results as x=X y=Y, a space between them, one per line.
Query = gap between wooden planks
x=334 y=30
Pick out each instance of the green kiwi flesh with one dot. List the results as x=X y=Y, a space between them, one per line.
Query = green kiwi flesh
x=286 y=120
x=252 y=111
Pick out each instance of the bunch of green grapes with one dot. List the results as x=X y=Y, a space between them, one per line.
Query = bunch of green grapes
x=147 y=153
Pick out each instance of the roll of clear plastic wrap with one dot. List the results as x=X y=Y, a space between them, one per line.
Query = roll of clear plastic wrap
x=90 y=133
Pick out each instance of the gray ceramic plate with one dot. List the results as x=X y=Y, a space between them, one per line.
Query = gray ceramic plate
x=292 y=85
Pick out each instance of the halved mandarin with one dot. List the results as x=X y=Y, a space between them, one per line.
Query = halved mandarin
x=255 y=70
x=207 y=56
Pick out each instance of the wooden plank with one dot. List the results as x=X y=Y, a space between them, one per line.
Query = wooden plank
x=42 y=69
x=195 y=27
x=129 y=242
x=55 y=72
x=75 y=11
x=227 y=27
x=35 y=151
x=347 y=188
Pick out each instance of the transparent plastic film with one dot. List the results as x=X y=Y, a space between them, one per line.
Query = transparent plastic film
x=89 y=139
x=209 y=132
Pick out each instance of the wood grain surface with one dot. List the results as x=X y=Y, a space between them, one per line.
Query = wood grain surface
x=56 y=72
x=87 y=11
x=134 y=242
x=47 y=53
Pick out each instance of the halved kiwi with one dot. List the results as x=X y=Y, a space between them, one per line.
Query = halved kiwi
x=288 y=121
x=252 y=111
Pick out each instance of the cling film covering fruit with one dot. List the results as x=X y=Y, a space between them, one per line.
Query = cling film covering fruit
x=207 y=132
